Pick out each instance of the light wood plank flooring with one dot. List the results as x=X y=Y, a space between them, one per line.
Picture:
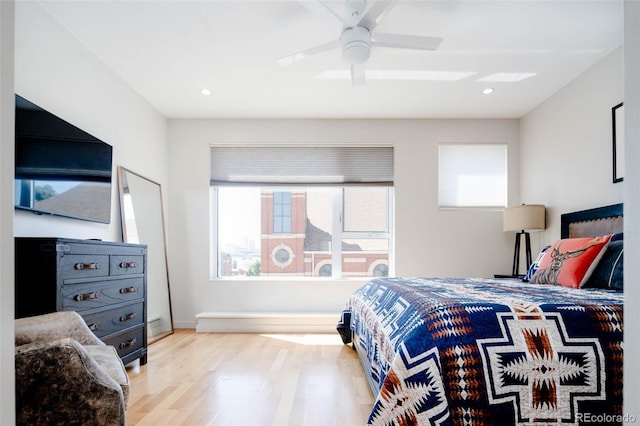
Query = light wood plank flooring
x=249 y=379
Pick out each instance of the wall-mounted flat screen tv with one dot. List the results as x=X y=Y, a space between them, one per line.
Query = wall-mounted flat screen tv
x=60 y=169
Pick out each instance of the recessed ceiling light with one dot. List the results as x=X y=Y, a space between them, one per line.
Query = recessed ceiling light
x=487 y=91
x=205 y=92
x=397 y=75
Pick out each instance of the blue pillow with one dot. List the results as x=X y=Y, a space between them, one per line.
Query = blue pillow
x=534 y=266
x=608 y=274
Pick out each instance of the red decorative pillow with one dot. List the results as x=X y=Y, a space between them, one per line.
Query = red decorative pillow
x=571 y=261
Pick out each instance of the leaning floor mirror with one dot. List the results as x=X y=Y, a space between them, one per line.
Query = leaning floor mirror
x=143 y=223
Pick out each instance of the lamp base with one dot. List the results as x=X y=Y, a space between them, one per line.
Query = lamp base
x=516 y=252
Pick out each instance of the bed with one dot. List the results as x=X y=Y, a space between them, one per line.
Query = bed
x=495 y=351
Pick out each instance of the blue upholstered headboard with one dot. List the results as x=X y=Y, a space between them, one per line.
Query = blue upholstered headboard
x=592 y=222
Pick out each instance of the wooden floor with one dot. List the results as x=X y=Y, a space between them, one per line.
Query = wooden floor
x=249 y=379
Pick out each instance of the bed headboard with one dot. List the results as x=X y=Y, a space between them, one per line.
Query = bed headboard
x=592 y=222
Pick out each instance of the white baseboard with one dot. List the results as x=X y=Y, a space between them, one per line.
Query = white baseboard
x=184 y=324
x=239 y=322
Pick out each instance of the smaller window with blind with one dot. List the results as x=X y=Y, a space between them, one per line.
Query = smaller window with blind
x=472 y=175
x=302 y=211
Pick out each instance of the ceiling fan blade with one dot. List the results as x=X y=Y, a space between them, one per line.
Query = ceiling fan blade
x=376 y=13
x=305 y=54
x=403 y=41
x=320 y=9
x=358 y=77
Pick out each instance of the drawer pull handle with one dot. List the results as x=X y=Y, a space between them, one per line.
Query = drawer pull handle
x=128 y=344
x=94 y=326
x=81 y=266
x=128 y=317
x=126 y=290
x=86 y=296
x=127 y=265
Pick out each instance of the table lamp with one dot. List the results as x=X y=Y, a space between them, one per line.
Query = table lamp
x=523 y=218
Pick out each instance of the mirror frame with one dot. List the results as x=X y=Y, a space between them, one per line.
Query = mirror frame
x=121 y=193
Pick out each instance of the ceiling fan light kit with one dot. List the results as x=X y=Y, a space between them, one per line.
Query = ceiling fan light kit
x=356 y=45
x=357 y=35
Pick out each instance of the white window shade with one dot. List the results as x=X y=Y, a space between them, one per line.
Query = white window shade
x=299 y=165
x=472 y=175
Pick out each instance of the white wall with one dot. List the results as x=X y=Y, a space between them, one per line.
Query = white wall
x=7 y=354
x=632 y=208
x=566 y=146
x=56 y=72
x=429 y=242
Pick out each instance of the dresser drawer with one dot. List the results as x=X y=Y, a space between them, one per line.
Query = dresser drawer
x=115 y=320
x=85 y=266
x=80 y=297
x=126 y=265
x=128 y=341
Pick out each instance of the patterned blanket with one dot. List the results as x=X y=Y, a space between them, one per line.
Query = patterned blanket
x=489 y=352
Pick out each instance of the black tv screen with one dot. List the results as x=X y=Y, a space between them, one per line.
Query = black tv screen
x=60 y=169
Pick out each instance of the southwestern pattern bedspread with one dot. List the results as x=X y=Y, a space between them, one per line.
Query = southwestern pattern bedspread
x=489 y=352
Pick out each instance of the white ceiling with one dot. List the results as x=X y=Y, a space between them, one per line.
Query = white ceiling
x=168 y=51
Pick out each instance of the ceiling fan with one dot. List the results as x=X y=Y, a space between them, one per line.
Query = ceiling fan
x=358 y=35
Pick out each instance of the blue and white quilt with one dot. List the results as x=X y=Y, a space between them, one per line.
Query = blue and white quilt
x=489 y=352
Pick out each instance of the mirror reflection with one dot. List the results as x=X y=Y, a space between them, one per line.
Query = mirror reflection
x=143 y=223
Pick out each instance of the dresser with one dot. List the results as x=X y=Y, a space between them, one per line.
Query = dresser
x=105 y=282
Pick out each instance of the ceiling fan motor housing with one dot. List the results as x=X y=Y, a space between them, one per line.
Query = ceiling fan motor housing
x=356 y=45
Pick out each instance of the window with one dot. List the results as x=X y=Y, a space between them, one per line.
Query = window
x=472 y=175
x=339 y=232
x=281 y=212
x=315 y=228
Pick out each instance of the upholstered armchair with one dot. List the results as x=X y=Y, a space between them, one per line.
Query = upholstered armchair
x=66 y=375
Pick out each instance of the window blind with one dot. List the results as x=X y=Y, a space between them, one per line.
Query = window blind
x=301 y=165
x=472 y=175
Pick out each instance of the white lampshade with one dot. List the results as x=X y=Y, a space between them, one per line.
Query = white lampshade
x=527 y=217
